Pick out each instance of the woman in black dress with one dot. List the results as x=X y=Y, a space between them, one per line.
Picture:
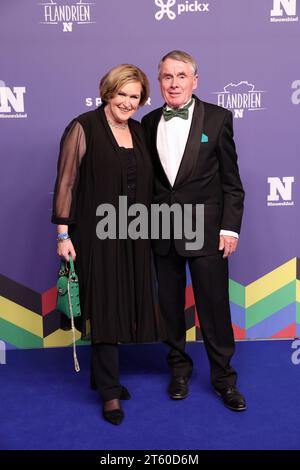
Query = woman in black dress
x=103 y=156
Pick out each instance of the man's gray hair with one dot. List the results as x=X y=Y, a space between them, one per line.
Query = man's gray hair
x=181 y=56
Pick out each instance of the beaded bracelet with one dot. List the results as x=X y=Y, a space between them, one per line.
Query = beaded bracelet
x=62 y=235
x=61 y=240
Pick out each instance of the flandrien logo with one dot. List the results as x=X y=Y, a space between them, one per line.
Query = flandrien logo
x=296 y=93
x=12 y=101
x=280 y=191
x=239 y=98
x=283 y=11
x=170 y=8
x=54 y=13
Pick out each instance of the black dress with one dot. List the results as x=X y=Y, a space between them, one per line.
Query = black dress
x=117 y=291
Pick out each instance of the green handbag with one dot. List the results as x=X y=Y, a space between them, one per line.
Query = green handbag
x=68 y=301
x=68 y=290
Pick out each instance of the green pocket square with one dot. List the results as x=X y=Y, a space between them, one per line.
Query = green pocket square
x=204 y=138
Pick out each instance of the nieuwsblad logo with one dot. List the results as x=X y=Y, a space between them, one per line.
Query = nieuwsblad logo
x=283 y=11
x=66 y=15
x=240 y=97
x=170 y=8
x=12 y=101
x=280 y=191
x=296 y=94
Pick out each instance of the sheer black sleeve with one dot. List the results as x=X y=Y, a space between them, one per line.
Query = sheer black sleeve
x=72 y=150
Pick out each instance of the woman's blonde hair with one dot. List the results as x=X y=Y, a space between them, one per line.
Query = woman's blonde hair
x=118 y=76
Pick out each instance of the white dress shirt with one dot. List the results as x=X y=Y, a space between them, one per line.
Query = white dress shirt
x=171 y=141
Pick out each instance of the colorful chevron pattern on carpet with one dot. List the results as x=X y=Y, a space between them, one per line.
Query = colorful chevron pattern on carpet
x=266 y=308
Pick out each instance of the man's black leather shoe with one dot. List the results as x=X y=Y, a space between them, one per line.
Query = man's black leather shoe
x=232 y=398
x=178 y=388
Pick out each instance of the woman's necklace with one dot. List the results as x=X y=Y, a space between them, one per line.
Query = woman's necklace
x=118 y=126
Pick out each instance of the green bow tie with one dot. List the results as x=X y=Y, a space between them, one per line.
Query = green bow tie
x=179 y=112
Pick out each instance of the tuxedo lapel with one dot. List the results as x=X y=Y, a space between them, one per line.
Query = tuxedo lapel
x=158 y=168
x=192 y=148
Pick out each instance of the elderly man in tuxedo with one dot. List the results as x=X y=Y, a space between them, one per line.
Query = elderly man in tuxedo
x=195 y=162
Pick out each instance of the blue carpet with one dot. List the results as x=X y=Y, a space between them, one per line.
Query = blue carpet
x=45 y=405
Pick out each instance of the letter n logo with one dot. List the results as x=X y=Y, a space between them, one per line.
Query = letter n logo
x=280 y=187
x=12 y=99
x=67 y=27
x=289 y=7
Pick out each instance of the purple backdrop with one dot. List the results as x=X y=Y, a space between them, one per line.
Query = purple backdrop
x=59 y=64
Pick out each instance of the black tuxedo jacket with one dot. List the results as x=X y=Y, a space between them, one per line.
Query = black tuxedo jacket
x=208 y=174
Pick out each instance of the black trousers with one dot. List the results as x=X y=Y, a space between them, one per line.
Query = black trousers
x=210 y=285
x=105 y=370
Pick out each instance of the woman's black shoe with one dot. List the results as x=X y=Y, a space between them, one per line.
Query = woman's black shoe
x=114 y=416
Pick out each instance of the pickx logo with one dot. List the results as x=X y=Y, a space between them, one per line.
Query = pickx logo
x=66 y=15
x=165 y=9
x=280 y=191
x=283 y=10
x=180 y=8
x=239 y=98
x=12 y=101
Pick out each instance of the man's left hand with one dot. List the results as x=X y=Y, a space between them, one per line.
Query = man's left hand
x=228 y=244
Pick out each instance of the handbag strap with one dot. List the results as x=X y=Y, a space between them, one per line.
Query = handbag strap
x=76 y=363
x=64 y=270
x=72 y=269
